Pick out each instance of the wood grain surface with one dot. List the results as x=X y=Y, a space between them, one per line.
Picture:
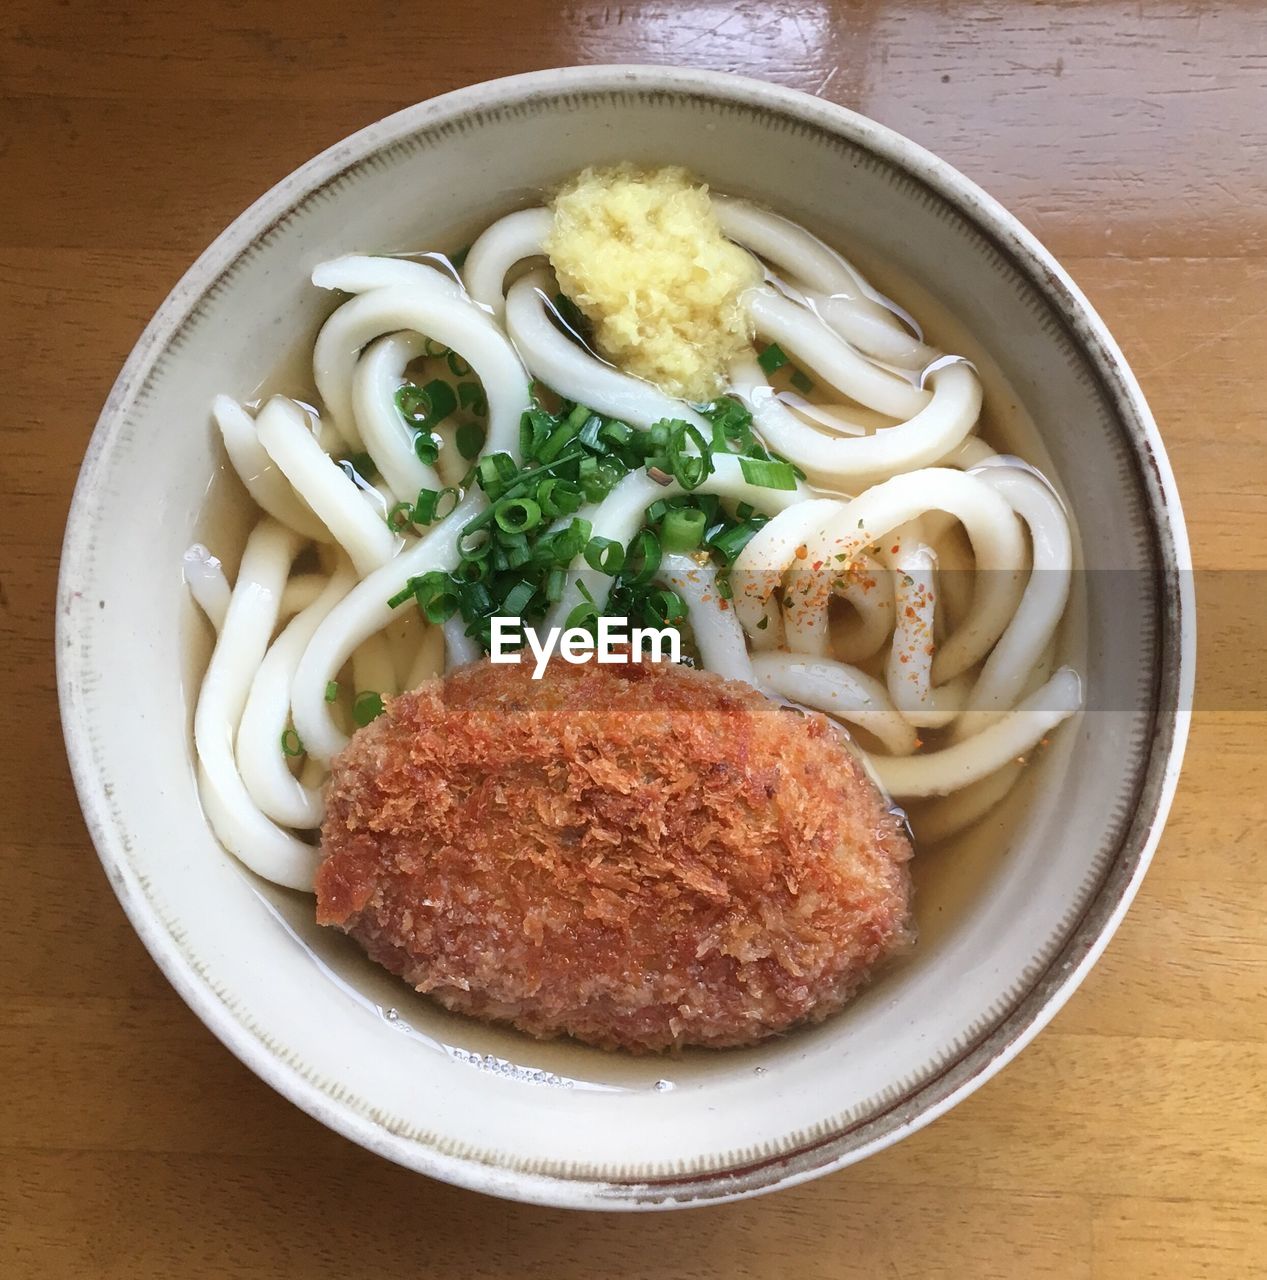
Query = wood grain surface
x=1131 y=1139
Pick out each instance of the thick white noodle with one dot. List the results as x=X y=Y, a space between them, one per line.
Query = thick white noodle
x=839 y=690
x=873 y=336
x=378 y=376
x=204 y=575
x=800 y=333
x=773 y=550
x=509 y=240
x=263 y=766
x=793 y=249
x=620 y=515
x=1042 y=605
x=945 y=816
x=283 y=430
x=234 y=816
x=361 y=272
x=428 y=659
x=556 y=360
x=992 y=528
x=459 y=648
x=909 y=670
x=963 y=763
x=429 y=303
x=718 y=635
x=838 y=419
x=263 y=480
x=972 y=452
x=852 y=463
x=948 y=815
x=868 y=587
x=364 y=612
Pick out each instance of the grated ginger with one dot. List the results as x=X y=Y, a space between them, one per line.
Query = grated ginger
x=641 y=254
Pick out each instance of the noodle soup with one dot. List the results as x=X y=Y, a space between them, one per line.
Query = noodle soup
x=849 y=525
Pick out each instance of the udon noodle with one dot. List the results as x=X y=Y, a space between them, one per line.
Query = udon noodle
x=909 y=585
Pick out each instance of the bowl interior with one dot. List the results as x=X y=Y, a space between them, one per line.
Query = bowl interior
x=998 y=912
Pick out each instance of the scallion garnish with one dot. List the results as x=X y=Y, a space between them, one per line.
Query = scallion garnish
x=469 y=438
x=772 y=357
x=367 y=706
x=683 y=529
x=399 y=517
x=291 y=745
x=606 y=555
x=513 y=559
x=332 y=691
x=768 y=474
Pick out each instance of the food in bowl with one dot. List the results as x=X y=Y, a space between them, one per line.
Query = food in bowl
x=828 y=530
x=636 y=855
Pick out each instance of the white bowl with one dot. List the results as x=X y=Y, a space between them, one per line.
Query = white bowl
x=1009 y=931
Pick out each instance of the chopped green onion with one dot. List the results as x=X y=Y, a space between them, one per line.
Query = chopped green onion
x=469 y=438
x=457 y=366
x=562 y=435
x=582 y=615
x=475 y=598
x=291 y=745
x=427 y=447
x=802 y=382
x=772 y=358
x=683 y=530
x=434 y=349
x=606 y=555
x=591 y=433
x=768 y=474
x=558 y=497
x=332 y=691
x=642 y=561
x=471 y=396
x=517 y=515
x=663 y=608
x=427 y=405
x=413 y=403
x=367 y=706
x=729 y=543
x=517 y=598
x=471 y=550
x=427 y=508
x=495 y=471
x=472 y=570
x=435 y=596
x=399 y=517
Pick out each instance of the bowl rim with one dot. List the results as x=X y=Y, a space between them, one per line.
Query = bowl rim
x=1088 y=938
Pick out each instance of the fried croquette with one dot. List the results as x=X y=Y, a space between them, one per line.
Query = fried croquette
x=639 y=856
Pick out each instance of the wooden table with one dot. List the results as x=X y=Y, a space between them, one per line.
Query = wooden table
x=1131 y=1139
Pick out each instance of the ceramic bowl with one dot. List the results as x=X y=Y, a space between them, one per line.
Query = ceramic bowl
x=1007 y=934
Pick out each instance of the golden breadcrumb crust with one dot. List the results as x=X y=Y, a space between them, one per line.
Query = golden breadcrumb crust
x=640 y=856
